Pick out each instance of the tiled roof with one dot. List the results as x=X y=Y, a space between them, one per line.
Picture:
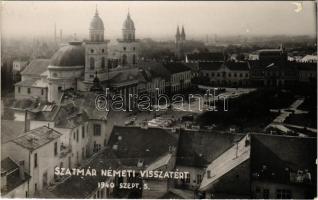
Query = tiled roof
x=70 y=116
x=32 y=83
x=11 y=129
x=7 y=166
x=136 y=144
x=281 y=152
x=36 y=67
x=83 y=186
x=36 y=138
x=175 y=67
x=156 y=69
x=237 y=66
x=198 y=149
x=13 y=177
x=85 y=102
x=210 y=65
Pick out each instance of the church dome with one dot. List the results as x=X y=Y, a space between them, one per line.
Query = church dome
x=70 y=55
x=129 y=23
x=96 y=23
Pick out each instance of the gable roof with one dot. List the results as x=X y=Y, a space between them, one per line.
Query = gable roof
x=198 y=149
x=238 y=66
x=175 y=67
x=216 y=65
x=36 y=138
x=36 y=67
x=134 y=144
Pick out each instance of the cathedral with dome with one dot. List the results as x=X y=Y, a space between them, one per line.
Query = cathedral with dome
x=80 y=65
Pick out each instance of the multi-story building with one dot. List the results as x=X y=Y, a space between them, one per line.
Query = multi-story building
x=37 y=151
x=231 y=73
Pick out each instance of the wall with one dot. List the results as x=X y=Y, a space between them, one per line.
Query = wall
x=194 y=182
x=297 y=192
x=35 y=92
x=18 y=192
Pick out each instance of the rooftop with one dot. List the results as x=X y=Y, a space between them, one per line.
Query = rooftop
x=198 y=149
x=36 y=138
x=36 y=67
x=175 y=67
x=11 y=170
x=32 y=83
x=134 y=144
x=11 y=129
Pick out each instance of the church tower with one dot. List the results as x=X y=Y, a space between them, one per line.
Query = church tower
x=128 y=45
x=180 y=40
x=96 y=51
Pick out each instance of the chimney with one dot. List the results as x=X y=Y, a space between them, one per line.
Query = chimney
x=21 y=169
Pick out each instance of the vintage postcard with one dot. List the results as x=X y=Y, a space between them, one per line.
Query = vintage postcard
x=159 y=99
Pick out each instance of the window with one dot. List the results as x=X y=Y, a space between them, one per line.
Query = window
x=92 y=50
x=19 y=89
x=77 y=135
x=42 y=91
x=92 y=63
x=29 y=90
x=212 y=74
x=74 y=135
x=134 y=48
x=124 y=61
x=55 y=148
x=134 y=59
x=199 y=178
x=83 y=131
x=103 y=50
x=35 y=160
x=209 y=173
x=241 y=75
x=218 y=74
x=246 y=75
x=35 y=187
x=124 y=48
x=97 y=129
x=229 y=75
x=103 y=62
x=283 y=194
x=188 y=179
x=234 y=74
x=265 y=193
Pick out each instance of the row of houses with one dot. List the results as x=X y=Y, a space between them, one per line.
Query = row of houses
x=168 y=77
x=271 y=69
x=63 y=135
x=219 y=166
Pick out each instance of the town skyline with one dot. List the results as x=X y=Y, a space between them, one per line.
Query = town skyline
x=251 y=18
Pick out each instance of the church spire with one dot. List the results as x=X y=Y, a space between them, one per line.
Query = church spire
x=183 y=36
x=178 y=33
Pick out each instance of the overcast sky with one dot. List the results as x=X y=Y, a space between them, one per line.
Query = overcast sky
x=159 y=19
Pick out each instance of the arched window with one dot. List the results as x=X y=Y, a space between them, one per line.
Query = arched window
x=103 y=62
x=134 y=59
x=124 y=61
x=92 y=63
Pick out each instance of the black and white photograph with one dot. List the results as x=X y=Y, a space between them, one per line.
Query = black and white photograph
x=158 y=99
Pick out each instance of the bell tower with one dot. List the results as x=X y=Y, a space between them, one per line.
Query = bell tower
x=96 y=51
